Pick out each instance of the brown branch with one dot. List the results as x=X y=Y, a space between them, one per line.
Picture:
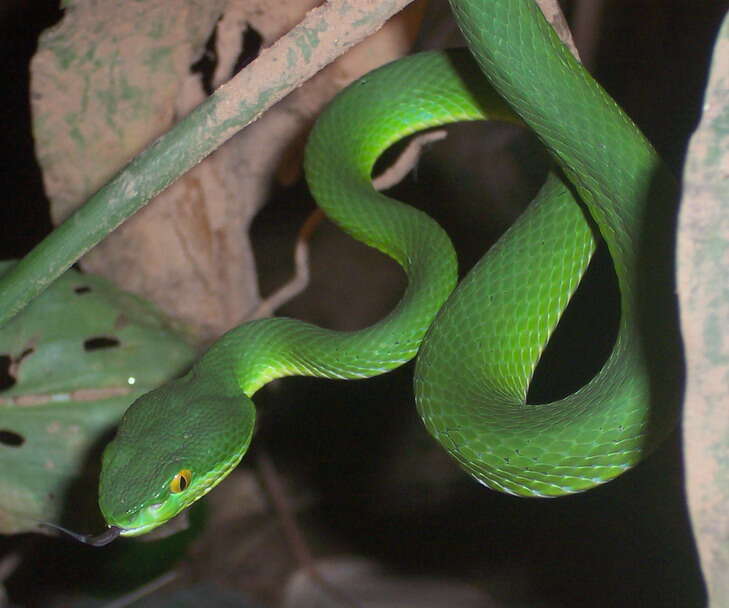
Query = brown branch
x=299 y=547
x=325 y=33
x=145 y=590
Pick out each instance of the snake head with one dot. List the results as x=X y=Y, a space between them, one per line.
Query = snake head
x=173 y=446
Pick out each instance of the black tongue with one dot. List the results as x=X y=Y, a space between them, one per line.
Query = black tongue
x=98 y=540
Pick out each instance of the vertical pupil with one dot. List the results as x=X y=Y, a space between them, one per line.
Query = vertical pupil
x=182 y=482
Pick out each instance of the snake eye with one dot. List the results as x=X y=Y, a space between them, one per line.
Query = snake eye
x=181 y=481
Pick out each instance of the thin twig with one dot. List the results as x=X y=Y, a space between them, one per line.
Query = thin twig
x=407 y=160
x=145 y=590
x=300 y=278
x=324 y=34
x=391 y=176
x=299 y=547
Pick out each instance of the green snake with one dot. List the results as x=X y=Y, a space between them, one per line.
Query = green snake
x=476 y=361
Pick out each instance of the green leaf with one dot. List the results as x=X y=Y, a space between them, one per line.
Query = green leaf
x=70 y=365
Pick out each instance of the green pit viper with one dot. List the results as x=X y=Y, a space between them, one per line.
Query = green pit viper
x=478 y=346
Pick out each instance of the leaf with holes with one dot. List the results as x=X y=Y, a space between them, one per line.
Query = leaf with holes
x=70 y=365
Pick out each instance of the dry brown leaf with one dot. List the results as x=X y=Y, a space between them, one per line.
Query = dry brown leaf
x=189 y=250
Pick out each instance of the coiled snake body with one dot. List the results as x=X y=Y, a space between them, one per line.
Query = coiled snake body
x=474 y=366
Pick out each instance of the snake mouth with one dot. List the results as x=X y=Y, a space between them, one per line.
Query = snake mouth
x=138 y=530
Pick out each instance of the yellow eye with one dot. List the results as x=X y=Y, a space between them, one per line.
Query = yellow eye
x=181 y=481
